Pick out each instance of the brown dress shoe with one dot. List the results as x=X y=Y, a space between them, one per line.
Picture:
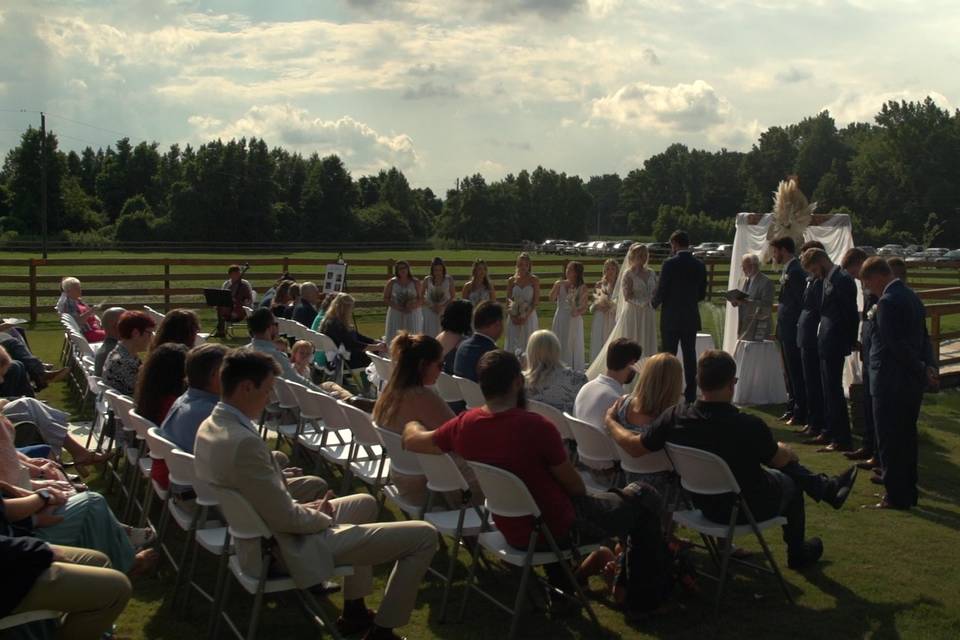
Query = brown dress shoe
x=832 y=448
x=859 y=454
x=869 y=464
x=821 y=439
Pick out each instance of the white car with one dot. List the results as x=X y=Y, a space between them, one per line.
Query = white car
x=892 y=250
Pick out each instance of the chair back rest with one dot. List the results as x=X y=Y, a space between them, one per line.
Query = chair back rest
x=382 y=365
x=401 y=460
x=330 y=410
x=156 y=315
x=160 y=447
x=471 y=392
x=594 y=447
x=650 y=463
x=323 y=342
x=140 y=424
x=180 y=468
x=554 y=415
x=71 y=322
x=442 y=473
x=81 y=345
x=121 y=406
x=506 y=494
x=242 y=519
x=448 y=389
x=361 y=424
x=285 y=396
x=701 y=471
x=301 y=394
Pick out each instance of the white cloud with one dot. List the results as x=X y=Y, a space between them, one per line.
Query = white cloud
x=77 y=84
x=682 y=107
x=490 y=169
x=862 y=107
x=360 y=146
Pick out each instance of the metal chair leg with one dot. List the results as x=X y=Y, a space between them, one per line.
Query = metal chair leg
x=524 y=579
x=725 y=561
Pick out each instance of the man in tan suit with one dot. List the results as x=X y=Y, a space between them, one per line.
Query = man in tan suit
x=312 y=537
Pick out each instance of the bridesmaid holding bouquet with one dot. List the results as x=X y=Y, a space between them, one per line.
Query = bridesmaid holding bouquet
x=570 y=294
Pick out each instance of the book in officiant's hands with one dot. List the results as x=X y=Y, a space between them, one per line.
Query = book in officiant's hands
x=735 y=295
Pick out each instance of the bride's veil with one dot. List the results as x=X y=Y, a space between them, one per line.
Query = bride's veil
x=599 y=365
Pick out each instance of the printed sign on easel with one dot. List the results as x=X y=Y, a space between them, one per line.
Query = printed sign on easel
x=335 y=280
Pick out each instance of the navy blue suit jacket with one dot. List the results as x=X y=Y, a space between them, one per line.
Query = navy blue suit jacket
x=809 y=320
x=839 y=316
x=900 y=346
x=790 y=302
x=304 y=313
x=682 y=285
x=468 y=356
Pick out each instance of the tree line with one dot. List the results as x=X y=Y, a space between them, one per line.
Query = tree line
x=898 y=177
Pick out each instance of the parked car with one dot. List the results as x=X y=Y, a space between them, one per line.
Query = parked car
x=892 y=250
x=723 y=251
x=621 y=248
x=870 y=251
x=702 y=249
x=928 y=255
x=552 y=246
x=950 y=256
x=576 y=249
x=911 y=249
x=659 y=249
x=597 y=248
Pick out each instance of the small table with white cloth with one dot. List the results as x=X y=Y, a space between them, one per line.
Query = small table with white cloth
x=759 y=373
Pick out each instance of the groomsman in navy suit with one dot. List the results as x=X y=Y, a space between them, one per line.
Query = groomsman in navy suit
x=792 y=284
x=807 y=326
x=839 y=322
x=899 y=372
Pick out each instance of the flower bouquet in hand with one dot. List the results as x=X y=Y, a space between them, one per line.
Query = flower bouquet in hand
x=518 y=311
x=601 y=301
x=405 y=300
x=436 y=297
x=573 y=299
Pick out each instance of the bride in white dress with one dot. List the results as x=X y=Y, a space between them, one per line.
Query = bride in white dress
x=523 y=293
x=636 y=319
x=604 y=308
x=570 y=294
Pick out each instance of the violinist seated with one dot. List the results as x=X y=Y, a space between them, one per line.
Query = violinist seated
x=242 y=294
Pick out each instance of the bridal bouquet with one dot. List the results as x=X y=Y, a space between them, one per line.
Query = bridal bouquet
x=518 y=308
x=601 y=301
x=405 y=300
x=437 y=296
x=573 y=298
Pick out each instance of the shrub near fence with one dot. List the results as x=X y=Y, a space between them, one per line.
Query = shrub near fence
x=30 y=286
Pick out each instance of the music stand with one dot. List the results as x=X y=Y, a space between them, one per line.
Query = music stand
x=218 y=297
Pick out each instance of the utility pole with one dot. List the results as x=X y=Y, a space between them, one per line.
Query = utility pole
x=43 y=183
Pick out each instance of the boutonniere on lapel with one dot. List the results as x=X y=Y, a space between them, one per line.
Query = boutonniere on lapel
x=784 y=277
x=827 y=288
x=872 y=314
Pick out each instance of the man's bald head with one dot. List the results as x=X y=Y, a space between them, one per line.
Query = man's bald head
x=109 y=320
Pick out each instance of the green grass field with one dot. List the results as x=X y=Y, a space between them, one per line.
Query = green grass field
x=884 y=574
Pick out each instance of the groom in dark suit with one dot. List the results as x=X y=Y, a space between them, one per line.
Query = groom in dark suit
x=839 y=322
x=899 y=372
x=793 y=282
x=682 y=285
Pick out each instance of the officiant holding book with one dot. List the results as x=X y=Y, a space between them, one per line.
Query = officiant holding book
x=754 y=301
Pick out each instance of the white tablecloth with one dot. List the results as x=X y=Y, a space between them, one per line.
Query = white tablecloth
x=760 y=373
x=704 y=343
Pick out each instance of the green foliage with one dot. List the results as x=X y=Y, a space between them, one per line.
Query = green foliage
x=700 y=226
x=383 y=223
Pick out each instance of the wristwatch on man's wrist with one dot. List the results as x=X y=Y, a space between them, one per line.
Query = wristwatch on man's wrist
x=45 y=495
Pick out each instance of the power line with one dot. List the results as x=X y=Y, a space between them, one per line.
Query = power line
x=87 y=124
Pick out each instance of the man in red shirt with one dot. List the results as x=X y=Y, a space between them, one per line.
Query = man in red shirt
x=504 y=434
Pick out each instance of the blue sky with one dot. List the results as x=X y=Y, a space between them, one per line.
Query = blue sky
x=444 y=88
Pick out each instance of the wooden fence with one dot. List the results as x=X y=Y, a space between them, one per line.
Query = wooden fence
x=30 y=287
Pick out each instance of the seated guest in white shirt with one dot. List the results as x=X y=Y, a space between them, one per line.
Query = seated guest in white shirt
x=599 y=394
x=548 y=379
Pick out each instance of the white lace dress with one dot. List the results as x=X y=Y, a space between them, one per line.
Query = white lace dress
x=569 y=329
x=478 y=295
x=397 y=321
x=431 y=320
x=636 y=319
x=518 y=334
x=603 y=322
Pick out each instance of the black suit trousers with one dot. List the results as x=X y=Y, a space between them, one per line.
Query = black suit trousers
x=810 y=361
x=793 y=365
x=687 y=340
x=834 y=402
x=896 y=416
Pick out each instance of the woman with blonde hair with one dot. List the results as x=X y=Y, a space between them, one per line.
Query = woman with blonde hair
x=548 y=379
x=604 y=308
x=407 y=396
x=636 y=318
x=338 y=326
x=479 y=288
x=523 y=293
x=403 y=297
x=659 y=387
x=438 y=292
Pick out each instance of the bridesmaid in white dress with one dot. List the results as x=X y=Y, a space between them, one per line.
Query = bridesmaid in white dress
x=403 y=297
x=636 y=319
x=604 y=308
x=523 y=293
x=570 y=295
x=438 y=291
x=478 y=288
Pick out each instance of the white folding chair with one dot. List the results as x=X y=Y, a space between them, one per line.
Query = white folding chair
x=448 y=388
x=286 y=401
x=368 y=459
x=554 y=415
x=507 y=496
x=144 y=464
x=705 y=473
x=594 y=450
x=405 y=463
x=244 y=523
x=443 y=477
x=28 y=617
x=471 y=392
x=383 y=367
x=123 y=437
x=160 y=449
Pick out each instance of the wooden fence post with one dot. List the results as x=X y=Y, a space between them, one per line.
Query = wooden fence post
x=935 y=336
x=166 y=287
x=710 y=282
x=32 y=264
x=286 y=265
x=390 y=265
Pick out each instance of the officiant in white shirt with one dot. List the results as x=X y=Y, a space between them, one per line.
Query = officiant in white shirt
x=756 y=309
